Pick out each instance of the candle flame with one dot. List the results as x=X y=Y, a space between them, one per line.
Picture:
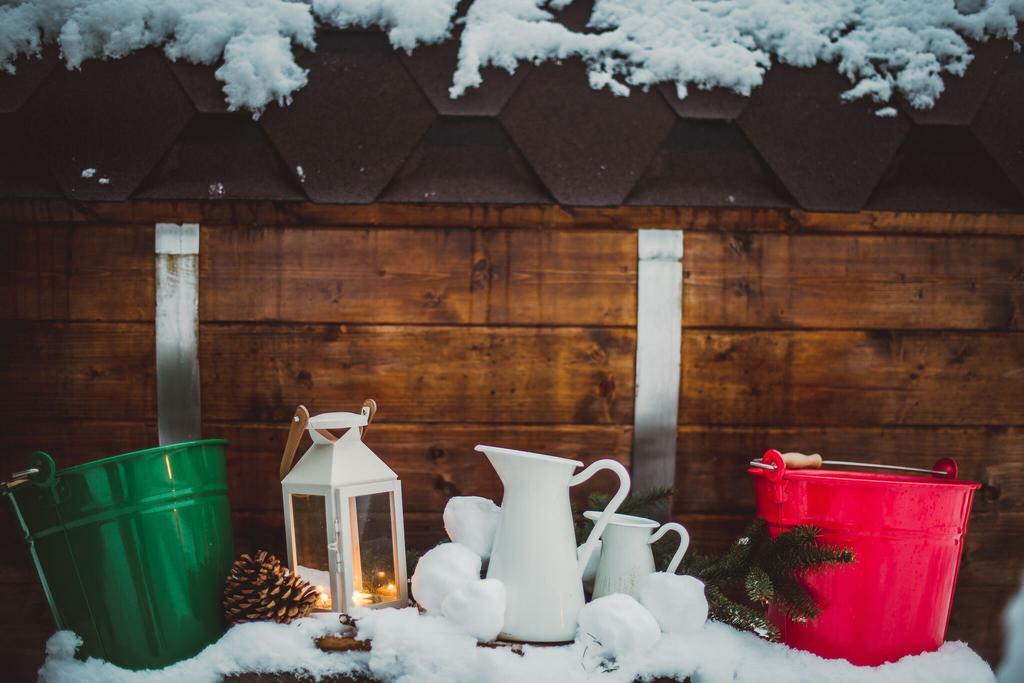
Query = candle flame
x=361 y=598
x=323 y=597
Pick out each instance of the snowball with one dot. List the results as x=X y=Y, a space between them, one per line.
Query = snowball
x=441 y=571
x=590 y=571
x=677 y=601
x=471 y=521
x=1012 y=668
x=619 y=625
x=477 y=608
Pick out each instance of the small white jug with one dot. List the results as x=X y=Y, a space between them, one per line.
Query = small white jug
x=626 y=555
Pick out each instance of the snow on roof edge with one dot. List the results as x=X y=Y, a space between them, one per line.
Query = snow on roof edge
x=883 y=47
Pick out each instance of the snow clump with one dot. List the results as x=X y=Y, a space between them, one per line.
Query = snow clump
x=472 y=521
x=477 y=608
x=441 y=571
x=619 y=626
x=257 y=647
x=408 y=646
x=677 y=601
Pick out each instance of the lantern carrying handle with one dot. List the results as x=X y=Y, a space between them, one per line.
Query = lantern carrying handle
x=369 y=410
x=295 y=431
x=301 y=422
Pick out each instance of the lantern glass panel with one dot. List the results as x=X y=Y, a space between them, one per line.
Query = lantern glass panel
x=309 y=515
x=373 y=549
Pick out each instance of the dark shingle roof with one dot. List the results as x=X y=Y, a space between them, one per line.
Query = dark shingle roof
x=374 y=124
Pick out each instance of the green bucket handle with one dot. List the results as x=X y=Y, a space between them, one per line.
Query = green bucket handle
x=41 y=471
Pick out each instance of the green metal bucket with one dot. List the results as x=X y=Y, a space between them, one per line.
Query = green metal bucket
x=133 y=550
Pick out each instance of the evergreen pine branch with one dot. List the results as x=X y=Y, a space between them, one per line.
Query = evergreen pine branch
x=735 y=562
x=738 y=615
x=758 y=586
x=792 y=550
x=794 y=600
x=798 y=550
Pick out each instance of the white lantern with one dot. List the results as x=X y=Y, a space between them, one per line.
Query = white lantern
x=343 y=514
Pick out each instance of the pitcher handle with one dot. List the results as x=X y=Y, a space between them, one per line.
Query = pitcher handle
x=587 y=549
x=684 y=543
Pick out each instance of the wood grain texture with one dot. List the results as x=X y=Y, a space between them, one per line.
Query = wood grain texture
x=237 y=213
x=419 y=374
x=434 y=462
x=853 y=282
x=77 y=272
x=71 y=441
x=711 y=473
x=77 y=370
x=852 y=378
x=419 y=276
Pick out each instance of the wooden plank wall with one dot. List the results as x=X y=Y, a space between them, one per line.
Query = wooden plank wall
x=883 y=337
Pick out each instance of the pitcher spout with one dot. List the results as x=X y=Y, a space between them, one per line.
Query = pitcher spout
x=515 y=466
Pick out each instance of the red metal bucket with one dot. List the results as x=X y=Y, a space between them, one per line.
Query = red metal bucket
x=906 y=533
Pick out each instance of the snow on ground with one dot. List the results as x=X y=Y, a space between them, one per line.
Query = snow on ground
x=409 y=647
x=881 y=46
x=260 y=647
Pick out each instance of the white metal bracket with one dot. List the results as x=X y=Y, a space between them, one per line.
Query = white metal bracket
x=658 y=352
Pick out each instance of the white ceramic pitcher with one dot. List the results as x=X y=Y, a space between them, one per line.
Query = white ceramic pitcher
x=626 y=555
x=534 y=551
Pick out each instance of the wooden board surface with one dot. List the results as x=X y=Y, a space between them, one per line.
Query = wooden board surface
x=77 y=370
x=852 y=378
x=14 y=213
x=419 y=374
x=82 y=272
x=419 y=276
x=853 y=282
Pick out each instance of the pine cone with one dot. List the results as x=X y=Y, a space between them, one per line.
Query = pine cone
x=262 y=589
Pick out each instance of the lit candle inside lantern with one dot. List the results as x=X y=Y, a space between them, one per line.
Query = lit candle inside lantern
x=323 y=597
x=361 y=598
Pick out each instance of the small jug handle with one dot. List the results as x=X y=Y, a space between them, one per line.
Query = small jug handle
x=684 y=543
x=587 y=549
